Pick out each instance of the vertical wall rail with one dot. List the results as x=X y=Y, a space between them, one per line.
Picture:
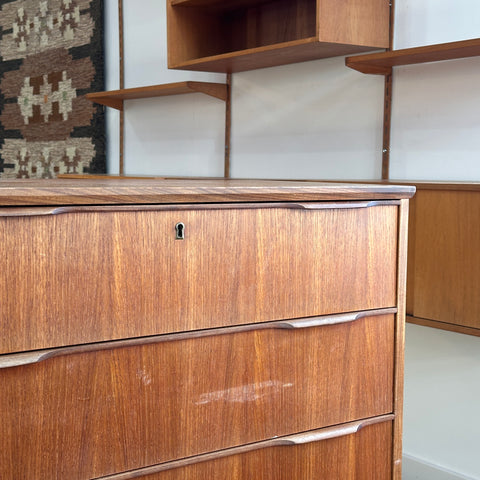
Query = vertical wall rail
x=121 y=86
x=228 y=125
x=387 y=104
x=387 y=124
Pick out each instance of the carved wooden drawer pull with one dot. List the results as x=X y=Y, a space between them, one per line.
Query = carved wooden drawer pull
x=290 y=440
x=27 y=358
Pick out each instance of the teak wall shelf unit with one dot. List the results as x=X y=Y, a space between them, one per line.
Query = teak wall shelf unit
x=237 y=35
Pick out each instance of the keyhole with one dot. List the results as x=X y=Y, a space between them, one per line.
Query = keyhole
x=180 y=231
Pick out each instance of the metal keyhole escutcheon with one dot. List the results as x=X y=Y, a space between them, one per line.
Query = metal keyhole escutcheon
x=179 y=231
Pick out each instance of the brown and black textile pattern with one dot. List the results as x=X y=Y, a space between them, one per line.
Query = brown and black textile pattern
x=51 y=55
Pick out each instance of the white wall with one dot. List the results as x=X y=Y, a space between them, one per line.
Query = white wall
x=112 y=69
x=435 y=121
x=321 y=120
x=426 y=22
x=307 y=120
x=442 y=392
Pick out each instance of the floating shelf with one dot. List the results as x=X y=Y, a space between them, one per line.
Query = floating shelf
x=217 y=4
x=115 y=98
x=382 y=63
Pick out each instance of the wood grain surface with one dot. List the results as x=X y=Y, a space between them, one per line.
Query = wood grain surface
x=382 y=63
x=352 y=22
x=403 y=218
x=116 y=190
x=92 y=276
x=90 y=414
x=267 y=343
x=243 y=35
x=445 y=258
x=270 y=56
x=115 y=98
x=332 y=458
x=450 y=327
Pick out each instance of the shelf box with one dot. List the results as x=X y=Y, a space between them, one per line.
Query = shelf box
x=238 y=35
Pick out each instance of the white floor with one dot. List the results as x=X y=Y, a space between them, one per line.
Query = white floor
x=416 y=469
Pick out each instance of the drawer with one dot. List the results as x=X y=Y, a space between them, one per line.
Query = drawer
x=87 y=411
x=89 y=274
x=360 y=451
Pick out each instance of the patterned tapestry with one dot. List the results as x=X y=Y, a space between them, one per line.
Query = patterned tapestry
x=51 y=55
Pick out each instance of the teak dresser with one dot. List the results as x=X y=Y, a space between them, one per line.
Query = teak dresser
x=201 y=329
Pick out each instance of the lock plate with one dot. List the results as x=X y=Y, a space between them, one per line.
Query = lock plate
x=179 y=231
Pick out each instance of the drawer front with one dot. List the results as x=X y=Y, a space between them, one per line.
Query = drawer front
x=75 y=276
x=360 y=451
x=133 y=405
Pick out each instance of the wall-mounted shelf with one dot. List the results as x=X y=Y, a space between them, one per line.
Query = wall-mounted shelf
x=218 y=4
x=115 y=98
x=238 y=35
x=382 y=63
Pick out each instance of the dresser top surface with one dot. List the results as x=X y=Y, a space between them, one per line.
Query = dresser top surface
x=118 y=190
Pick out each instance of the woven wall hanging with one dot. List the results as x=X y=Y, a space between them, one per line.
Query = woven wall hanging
x=51 y=55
